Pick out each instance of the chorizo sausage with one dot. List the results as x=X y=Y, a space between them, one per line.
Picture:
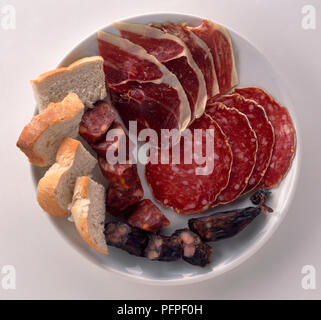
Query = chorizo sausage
x=102 y=146
x=96 y=122
x=124 y=175
x=147 y=216
x=119 y=199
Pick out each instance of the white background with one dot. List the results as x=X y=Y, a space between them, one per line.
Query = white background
x=47 y=266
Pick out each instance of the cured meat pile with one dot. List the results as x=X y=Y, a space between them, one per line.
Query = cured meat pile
x=142 y=89
x=173 y=76
x=125 y=191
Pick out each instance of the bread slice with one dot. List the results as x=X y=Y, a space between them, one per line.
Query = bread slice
x=89 y=213
x=85 y=77
x=55 y=189
x=42 y=136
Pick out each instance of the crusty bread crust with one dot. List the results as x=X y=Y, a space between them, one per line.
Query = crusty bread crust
x=47 y=186
x=67 y=151
x=48 y=74
x=85 y=77
x=47 y=195
x=69 y=108
x=83 y=187
x=80 y=215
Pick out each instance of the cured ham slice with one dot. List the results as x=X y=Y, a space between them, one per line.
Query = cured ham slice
x=175 y=55
x=285 y=137
x=179 y=187
x=219 y=41
x=264 y=133
x=242 y=139
x=200 y=53
x=141 y=88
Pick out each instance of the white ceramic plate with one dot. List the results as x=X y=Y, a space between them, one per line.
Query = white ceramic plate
x=254 y=69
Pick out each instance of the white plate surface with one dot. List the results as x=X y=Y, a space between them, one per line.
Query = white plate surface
x=254 y=69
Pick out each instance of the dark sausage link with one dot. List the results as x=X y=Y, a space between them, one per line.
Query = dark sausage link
x=96 y=122
x=195 y=251
x=259 y=198
x=119 y=199
x=163 y=248
x=223 y=225
x=147 y=216
x=123 y=236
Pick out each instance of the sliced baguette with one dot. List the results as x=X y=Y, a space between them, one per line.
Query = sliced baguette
x=89 y=213
x=55 y=189
x=85 y=77
x=42 y=136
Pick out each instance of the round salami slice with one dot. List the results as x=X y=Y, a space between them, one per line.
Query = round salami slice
x=285 y=137
x=243 y=141
x=180 y=186
x=264 y=133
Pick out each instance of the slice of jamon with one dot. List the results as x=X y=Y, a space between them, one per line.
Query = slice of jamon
x=180 y=186
x=264 y=133
x=175 y=55
x=285 y=136
x=200 y=53
x=149 y=104
x=195 y=251
x=142 y=89
x=219 y=41
x=242 y=139
x=146 y=216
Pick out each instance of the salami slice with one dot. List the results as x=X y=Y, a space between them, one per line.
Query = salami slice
x=200 y=53
x=264 y=133
x=179 y=187
x=285 y=137
x=141 y=88
x=219 y=41
x=175 y=55
x=242 y=139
